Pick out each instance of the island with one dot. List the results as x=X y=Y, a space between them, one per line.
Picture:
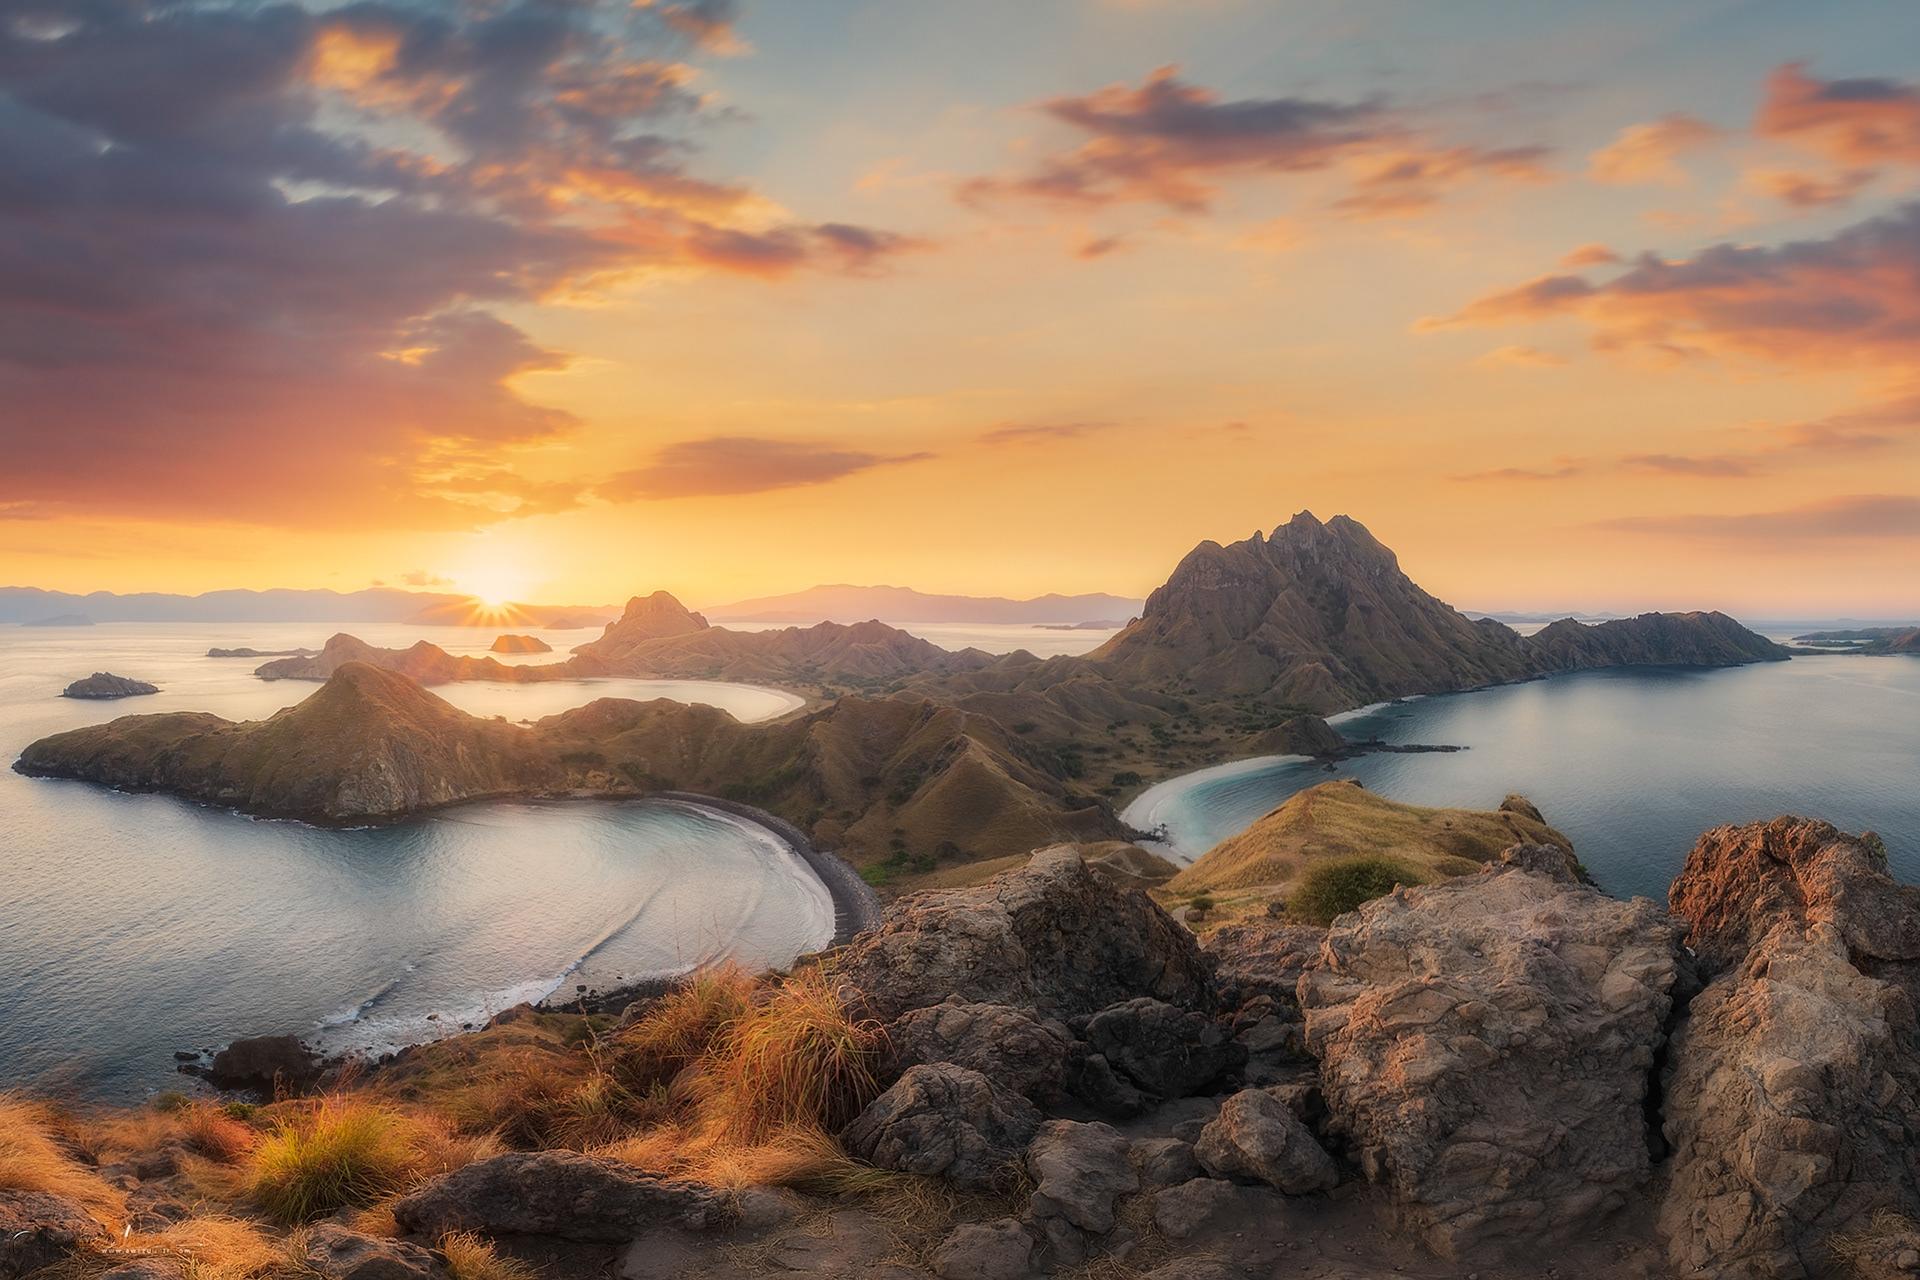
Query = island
x=520 y=644
x=105 y=685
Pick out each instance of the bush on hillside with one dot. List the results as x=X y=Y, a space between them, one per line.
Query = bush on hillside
x=1333 y=888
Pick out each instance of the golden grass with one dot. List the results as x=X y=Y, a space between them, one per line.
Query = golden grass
x=469 y=1257
x=1875 y=1240
x=1343 y=819
x=212 y=1247
x=681 y=1027
x=795 y=1059
x=31 y=1160
x=341 y=1152
x=203 y=1128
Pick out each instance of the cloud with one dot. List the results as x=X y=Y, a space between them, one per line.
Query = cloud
x=1563 y=469
x=251 y=256
x=1651 y=152
x=722 y=465
x=1520 y=356
x=1705 y=467
x=1589 y=255
x=1807 y=190
x=1853 y=123
x=422 y=578
x=1169 y=142
x=1035 y=432
x=1860 y=517
x=1099 y=247
x=1843 y=301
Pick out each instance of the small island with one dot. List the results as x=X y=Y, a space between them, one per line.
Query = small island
x=61 y=620
x=104 y=684
x=261 y=653
x=521 y=644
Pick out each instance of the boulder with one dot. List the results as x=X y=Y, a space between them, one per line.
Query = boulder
x=1263 y=957
x=943 y=1121
x=1485 y=1045
x=997 y=1250
x=1009 y=1046
x=1185 y=1208
x=556 y=1193
x=1051 y=936
x=340 y=1254
x=38 y=1230
x=1257 y=1136
x=265 y=1064
x=1093 y=1080
x=1168 y=1052
x=1739 y=882
x=1165 y=1162
x=1793 y=1087
x=1078 y=1171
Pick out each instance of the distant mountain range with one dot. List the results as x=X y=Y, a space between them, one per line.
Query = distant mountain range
x=841 y=602
x=31 y=606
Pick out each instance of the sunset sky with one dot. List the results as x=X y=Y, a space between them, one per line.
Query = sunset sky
x=1574 y=305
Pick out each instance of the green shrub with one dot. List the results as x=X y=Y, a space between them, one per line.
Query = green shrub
x=343 y=1152
x=1333 y=888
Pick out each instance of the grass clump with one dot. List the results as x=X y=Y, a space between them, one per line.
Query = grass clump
x=32 y=1160
x=212 y=1247
x=471 y=1257
x=1335 y=887
x=338 y=1153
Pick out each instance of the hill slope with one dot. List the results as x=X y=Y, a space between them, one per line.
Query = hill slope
x=842 y=602
x=1341 y=819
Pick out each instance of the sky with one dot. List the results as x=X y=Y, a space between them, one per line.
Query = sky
x=1575 y=306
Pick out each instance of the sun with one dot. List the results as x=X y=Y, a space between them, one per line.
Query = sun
x=494 y=586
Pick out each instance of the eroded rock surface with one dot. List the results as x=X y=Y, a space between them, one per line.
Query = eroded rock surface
x=1793 y=1092
x=1256 y=1135
x=1010 y=1046
x=943 y=1121
x=1051 y=936
x=1485 y=1046
x=556 y=1193
x=1168 y=1052
x=38 y=1230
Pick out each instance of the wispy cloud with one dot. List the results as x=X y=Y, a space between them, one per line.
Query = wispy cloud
x=1035 y=432
x=1651 y=152
x=1860 y=517
x=722 y=465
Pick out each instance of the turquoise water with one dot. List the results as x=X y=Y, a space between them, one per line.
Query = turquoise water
x=1632 y=764
x=135 y=926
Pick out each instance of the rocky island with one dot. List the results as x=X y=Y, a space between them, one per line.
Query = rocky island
x=520 y=644
x=105 y=685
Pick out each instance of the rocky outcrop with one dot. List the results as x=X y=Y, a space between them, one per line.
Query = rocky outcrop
x=996 y=1250
x=1485 y=1046
x=268 y=1065
x=1167 y=1052
x=1051 y=936
x=1010 y=1046
x=556 y=1193
x=1079 y=1172
x=1257 y=1136
x=38 y=1230
x=519 y=644
x=943 y=1121
x=1793 y=1087
x=424 y=662
x=339 y=1254
x=106 y=685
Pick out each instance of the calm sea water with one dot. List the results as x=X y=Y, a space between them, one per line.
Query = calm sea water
x=135 y=926
x=1632 y=764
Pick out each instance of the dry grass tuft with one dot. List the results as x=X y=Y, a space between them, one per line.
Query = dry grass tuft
x=469 y=1257
x=31 y=1160
x=682 y=1026
x=213 y=1247
x=334 y=1154
x=1875 y=1241
x=795 y=1059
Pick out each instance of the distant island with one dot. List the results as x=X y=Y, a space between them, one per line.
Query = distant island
x=106 y=685
x=1864 y=640
x=841 y=602
x=261 y=653
x=520 y=644
x=61 y=620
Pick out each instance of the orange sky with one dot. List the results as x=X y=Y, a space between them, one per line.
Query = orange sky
x=731 y=300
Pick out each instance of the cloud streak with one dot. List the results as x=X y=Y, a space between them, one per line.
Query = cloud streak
x=1858 y=517
x=731 y=465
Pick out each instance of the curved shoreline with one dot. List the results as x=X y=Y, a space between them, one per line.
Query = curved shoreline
x=856 y=906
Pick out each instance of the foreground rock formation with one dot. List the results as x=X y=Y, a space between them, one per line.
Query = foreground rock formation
x=1485 y=1046
x=1793 y=1091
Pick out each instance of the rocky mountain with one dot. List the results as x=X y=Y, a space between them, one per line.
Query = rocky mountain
x=1316 y=616
x=425 y=662
x=1652 y=639
x=880 y=779
x=658 y=637
x=841 y=602
x=1343 y=819
x=369 y=744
